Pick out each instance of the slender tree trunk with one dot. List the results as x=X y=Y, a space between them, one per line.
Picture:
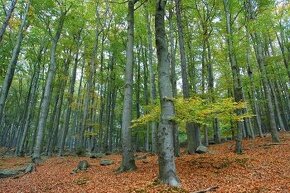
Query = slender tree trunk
x=258 y=47
x=56 y=120
x=252 y=91
x=6 y=21
x=173 y=80
x=167 y=170
x=47 y=92
x=281 y=41
x=152 y=79
x=193 y=136
x=70 y=98
x=90 y=87
x=128 y=161
x=30 y=101
x=276 y=104
x=238 y=93
x=12 y=64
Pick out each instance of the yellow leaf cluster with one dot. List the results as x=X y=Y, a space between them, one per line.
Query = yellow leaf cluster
x=198 y=110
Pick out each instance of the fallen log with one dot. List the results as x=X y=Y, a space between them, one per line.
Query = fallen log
x=18 y=172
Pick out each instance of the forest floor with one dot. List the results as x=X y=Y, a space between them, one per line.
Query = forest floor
x=263 y=167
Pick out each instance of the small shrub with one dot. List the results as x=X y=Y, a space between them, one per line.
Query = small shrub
x=80 y=151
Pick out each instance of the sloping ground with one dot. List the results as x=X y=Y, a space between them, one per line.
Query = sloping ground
x=264 y=167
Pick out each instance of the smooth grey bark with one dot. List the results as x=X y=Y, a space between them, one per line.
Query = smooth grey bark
x=173 y=79
x=146 y=92
x=167 y=169
x=238 y=93
x=76 y=113
x=152 y=79
x=276 y=105
x=53 y=115
x=206 y=14
x=44 y=109
x=252 y=90
x=8 y=16
x=90 y=86
x=56 y=119
x=258 y=47
x=12 y=64
x=193 y=137
x=274 y=91
x=30 y=101
x=282 y=41
x=70 y=97
x=172 y=54
x=128 y=161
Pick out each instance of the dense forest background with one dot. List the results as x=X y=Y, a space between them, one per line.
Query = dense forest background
x=74 y=74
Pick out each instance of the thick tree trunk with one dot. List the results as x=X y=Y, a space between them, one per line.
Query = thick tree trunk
x=167 y=170
x=128 y=161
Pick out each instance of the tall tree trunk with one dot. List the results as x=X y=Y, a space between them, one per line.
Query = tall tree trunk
x=252 y=90
x=193 y=138
x=152 y=79
x=70 y=97
x=167 y=169
x=281 y=42
x=30 y=101
x=12 y=64
x=258 y=47
x=128 y=161
x=90 y=86
x=56 y=120
x=173 y=80
x=238 y=93
x=44 y=109
x=6 y=21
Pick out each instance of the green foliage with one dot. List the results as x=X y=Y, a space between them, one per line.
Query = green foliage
x=80 y=151
x=197 y=110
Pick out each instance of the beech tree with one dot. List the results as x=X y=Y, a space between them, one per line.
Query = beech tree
x=80 y=77
x=167 y=170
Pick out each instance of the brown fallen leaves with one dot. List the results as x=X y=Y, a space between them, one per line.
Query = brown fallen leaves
x=262 y=168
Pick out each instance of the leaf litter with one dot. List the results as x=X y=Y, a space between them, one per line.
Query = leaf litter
x=263 y=167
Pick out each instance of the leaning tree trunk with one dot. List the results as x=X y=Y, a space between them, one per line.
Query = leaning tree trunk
x=6 y=21
x=167 y=170
x=12 y=65
x=128 y=162
x=47 y=91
